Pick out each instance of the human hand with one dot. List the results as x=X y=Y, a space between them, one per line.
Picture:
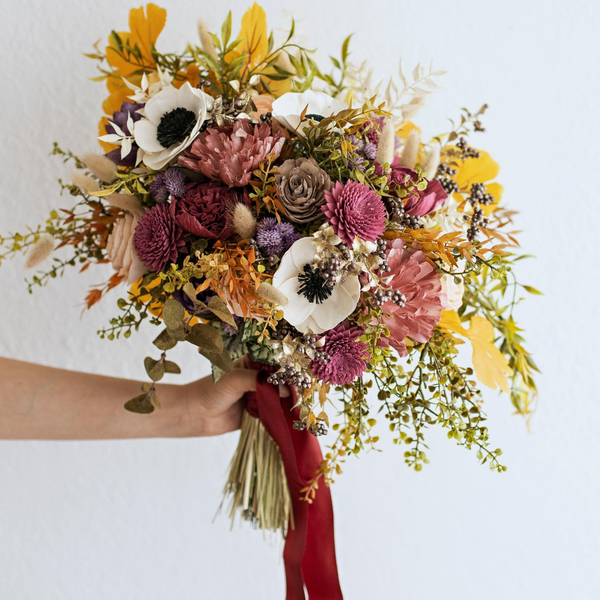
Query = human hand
x=213 y=408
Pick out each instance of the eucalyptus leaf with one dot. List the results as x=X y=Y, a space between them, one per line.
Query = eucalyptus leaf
x=189 y=290
x=154 y=368
x=222 y=360
x=207 y=338
x=171 y=367
x=165 y=341
x=173 y=313
x=140 y=405
x=179 y=333
x=218 y=308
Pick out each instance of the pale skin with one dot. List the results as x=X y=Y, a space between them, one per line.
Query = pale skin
x=43 y=403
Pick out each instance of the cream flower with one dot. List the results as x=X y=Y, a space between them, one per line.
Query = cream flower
x=321 y=313
x=120 y=249
x=454 y=291
x=288 y=108
x=172 y=120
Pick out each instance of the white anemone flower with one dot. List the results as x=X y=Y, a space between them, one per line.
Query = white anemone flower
x=318 y=315
x=288 y=108
x=172 y=119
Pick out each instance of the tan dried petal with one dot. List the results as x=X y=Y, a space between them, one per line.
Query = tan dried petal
x=121 y=251
x=408 y=158
x=244 y=222
x=101 y=166
x=271 y=294
x=85 y=183
x=40 y=251
x=126 y=202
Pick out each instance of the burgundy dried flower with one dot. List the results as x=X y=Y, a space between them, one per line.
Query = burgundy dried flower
x=355 y=210
x=158 y=239
x=205 y=209
x=348 y=356
x=418 y=281
x=230 y=154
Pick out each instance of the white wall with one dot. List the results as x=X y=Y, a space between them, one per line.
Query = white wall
x=132 y=520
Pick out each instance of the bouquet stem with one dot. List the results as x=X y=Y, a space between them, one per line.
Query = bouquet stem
x=257 y=482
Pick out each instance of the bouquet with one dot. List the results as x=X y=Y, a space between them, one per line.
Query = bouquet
x=257 y=205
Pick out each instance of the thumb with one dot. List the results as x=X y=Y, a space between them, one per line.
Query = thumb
x=237 y=382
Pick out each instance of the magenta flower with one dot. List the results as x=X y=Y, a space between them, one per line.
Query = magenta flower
x=230 y=154
x=427 y=201
x=422 y=287
x=417 y=203
x=158 y=239
x=348 y=356
x=205 y=209
x=355 y=210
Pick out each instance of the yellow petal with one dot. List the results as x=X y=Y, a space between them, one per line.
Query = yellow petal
x=451 y=322
x=254 y=35
x=406 y=128
x=477 y=170
x=156 y=307
x=495 y=189
x=145 y=28
x=491 y=366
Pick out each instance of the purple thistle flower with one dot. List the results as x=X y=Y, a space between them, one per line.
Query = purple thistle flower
x=171 y=182
x=370 y=150
x=276 y=238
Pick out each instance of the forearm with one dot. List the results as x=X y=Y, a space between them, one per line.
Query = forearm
x=39 y=402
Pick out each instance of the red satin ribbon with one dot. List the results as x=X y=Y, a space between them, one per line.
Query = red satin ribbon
x=309 y=552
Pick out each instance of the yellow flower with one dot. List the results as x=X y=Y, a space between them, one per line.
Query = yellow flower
x=491 y=366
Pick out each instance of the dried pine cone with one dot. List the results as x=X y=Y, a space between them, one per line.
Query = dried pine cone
x=302 y=185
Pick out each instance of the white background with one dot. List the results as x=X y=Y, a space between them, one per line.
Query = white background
x=132 y=520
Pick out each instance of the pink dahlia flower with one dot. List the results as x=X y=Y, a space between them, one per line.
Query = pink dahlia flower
x=205 y=209
x=230 y=154
x=158 y=239
x=422 y=287
x=348 y=356
x=355 y=210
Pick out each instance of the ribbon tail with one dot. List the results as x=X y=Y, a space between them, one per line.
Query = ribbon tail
x=309 y=552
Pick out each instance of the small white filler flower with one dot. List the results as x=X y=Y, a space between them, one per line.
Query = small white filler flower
x=312 y=305
x=172 y=119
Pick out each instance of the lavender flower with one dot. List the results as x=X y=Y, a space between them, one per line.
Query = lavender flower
x=276 y=238
x=170 y=183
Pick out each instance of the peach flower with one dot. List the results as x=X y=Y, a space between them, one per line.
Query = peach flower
x=264 y=104
x=120 y=249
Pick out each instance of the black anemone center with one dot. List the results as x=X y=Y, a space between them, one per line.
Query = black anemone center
x=175 y=126
x=314 y=117
x=312 y=285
